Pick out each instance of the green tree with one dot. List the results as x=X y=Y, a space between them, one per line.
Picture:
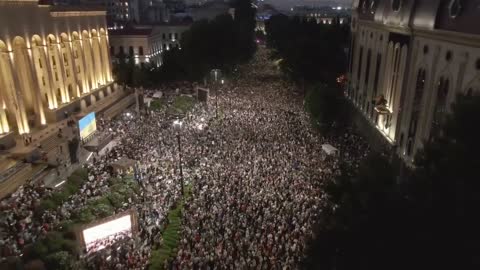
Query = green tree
x=448 y=171
x=326 y=106
x=61 y=260
x=310 y=52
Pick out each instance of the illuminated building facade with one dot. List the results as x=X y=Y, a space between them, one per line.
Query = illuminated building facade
x=409 y=60
x=322 y=15
x=54 y=60
x=145 y=44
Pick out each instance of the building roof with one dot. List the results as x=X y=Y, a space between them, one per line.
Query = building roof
x=451 y=15
x=131 y=32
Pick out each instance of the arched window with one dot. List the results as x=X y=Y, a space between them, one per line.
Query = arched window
x=130 y=51
x=359 y=69
x=397 y=5
x=454 y=8
x=440 y=109
x=469 y=92
x=420 y=86
x=376 y=79
x=140 y=50
x=367 y=76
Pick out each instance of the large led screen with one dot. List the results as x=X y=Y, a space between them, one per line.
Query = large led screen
x=105 y=234
x=87 y=125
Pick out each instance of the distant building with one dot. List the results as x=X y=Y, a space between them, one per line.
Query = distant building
x=145 y=44
x=118 y=12
x=322 y=15
x=54 y=61
x=409 y=60
x=208 y=10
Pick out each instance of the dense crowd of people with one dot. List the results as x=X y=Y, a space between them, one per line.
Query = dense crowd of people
x=256 y=175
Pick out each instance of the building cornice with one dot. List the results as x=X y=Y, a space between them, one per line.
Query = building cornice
x=436 y=34
x=386 y=27
x=449 y=36
x=77 y=13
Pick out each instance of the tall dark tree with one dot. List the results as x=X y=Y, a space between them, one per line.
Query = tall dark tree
x=245 y=28
x=326 y=106
x=310 y=52
x=448 y=167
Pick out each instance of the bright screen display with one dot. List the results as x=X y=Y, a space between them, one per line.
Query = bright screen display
x=105 y=234
x=87 y=125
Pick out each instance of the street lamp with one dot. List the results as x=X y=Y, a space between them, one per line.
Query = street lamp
x=216 y=75
x=177 y=126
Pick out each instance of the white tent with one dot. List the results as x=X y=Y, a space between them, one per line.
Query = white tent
x=158 y=94
x=329 y=150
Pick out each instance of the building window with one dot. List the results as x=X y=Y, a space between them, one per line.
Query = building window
x=43 y=81
x=395 y=74
x=420 y=86
x=376 y=79
x=170 y=36
x=440 y=109
x=112 y=50
x=40 y=63
x=78 y=69
x=121 y=50
x=373 y=5
x=164 y=36
x=367 y=71
x=67 y=73
x=409 y=147
x=397 y=5
x=65 y=59
x=454 y=8
x=53 y=61
x=448 y=56
x=140 y=50
x=56 y=76
x=175 y=36
x=359 y=69
x=130 y=51
x=425 y=49
x=352 y=54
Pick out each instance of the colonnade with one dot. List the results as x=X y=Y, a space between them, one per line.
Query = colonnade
x=46 y=72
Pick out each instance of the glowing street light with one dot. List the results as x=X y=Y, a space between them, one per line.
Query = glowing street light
x=177 y=126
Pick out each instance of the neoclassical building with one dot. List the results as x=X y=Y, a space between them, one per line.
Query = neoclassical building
x=409 y=60
x=53 y=60
x=146 y=44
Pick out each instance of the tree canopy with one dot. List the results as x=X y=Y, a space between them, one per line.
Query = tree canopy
x=326 y=106
x=309 y=51
x=425 y=220
x=223 y=42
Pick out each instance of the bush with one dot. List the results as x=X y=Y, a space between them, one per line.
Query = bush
x=39 y=250
x=59 y=261
x=116 y=199
x=59 y=197
x=47 y=204
x=156 y=105
x=82 y=173
x=35 y=265
x=76 y=181
x=183 y=104
x=102 y=210
x=84 y=216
